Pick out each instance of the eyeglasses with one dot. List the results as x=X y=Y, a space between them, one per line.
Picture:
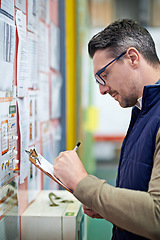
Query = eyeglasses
x=98 y=75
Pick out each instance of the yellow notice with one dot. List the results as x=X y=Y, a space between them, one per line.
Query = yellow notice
x=92 y=117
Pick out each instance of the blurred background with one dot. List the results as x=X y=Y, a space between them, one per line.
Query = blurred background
x=104 y=121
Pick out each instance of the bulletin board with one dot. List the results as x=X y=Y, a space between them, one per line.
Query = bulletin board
x=30 y=103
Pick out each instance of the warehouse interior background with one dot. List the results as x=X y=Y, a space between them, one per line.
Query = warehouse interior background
x=50 y=100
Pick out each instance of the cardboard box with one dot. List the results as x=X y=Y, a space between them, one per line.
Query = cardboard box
x=41 y=221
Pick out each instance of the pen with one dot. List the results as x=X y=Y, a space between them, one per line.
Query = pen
x=77 y=146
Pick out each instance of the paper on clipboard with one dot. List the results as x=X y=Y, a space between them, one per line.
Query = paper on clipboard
x=47 y=168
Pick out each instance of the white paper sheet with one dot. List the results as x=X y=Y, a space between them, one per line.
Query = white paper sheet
x=43 y=98
x=56 y=84
x=21 y=4
x=43 y=48
x=22 y=55
x=55 y=47
x=7 y=51
x=8 y=133
x=24 y=142
x=4 y=143
x=32 y=73
x=7 y=8
x=47 y=152
x=33 y=15
x=44 y=10
x=56 y=135
x=33 y=117
x=48 y=167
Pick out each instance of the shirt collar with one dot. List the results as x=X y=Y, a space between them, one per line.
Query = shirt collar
x=139 y=103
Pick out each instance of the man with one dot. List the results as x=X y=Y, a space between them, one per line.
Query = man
x=126 y=66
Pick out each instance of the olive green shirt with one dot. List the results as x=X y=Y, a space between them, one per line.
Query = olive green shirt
x=135 y=211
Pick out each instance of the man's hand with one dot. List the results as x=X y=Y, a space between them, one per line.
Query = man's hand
x=90 y=212
x=69 y=169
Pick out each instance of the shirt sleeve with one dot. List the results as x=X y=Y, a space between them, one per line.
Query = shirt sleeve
x=134 y=211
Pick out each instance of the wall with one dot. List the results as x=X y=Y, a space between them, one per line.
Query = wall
x=32 y=110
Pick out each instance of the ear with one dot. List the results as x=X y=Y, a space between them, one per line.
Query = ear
x=133 y=56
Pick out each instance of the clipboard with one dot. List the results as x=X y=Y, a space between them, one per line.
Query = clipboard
x=46 y=167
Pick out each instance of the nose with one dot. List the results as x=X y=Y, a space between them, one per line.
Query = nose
x=104 y=89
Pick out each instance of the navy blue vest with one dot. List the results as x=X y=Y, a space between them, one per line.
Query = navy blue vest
x=136 y=159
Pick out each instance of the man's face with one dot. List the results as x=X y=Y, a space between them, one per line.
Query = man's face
x=121 y=81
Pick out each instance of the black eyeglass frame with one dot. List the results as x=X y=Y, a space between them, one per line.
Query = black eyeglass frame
x=103 y=69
